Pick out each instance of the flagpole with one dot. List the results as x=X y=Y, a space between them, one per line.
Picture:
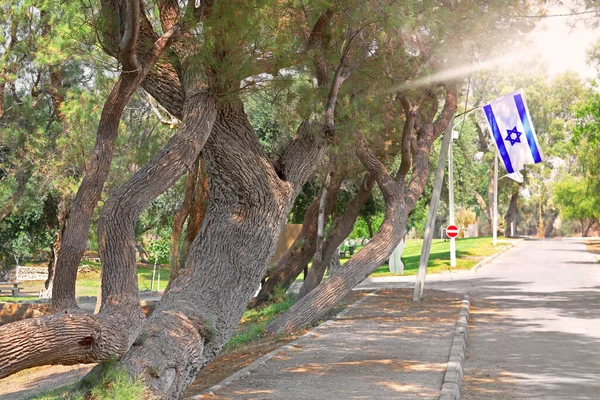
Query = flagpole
x=495 y=217
x=433 y=205
x=451 y=202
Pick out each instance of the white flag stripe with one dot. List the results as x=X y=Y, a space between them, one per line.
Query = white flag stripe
x=513 y=131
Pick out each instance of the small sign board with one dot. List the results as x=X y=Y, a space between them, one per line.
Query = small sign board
x=452 y=231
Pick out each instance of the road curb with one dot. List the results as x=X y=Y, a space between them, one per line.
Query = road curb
x=260 y=362
x=454 y=371
x=489 y=259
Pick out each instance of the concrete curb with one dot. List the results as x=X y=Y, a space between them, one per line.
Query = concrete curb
x=489 y=259
x=242 y=373
x=454 y=371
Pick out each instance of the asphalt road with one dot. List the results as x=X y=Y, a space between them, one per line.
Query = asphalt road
x=534 y=331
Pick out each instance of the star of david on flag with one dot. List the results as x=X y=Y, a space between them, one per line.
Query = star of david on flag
x=512 y=131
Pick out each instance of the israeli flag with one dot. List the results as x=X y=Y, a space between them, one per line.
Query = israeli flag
x=512 y=131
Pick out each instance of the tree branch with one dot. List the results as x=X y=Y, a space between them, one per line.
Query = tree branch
x=168 y=11
x=130 y=34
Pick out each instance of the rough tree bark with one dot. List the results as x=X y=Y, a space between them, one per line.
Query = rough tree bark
x=81 y=338
x=178 y=221
x=343 y=225
x=250 y=199
x=297 y=257
x=248 y=208
x=60 y=216
x=400 y=200
x=318 y=302
x=90 y=189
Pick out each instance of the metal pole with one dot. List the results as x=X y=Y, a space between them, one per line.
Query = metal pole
x=429 y=227
x=541 y=227
x=495 y=222
x=451 y=203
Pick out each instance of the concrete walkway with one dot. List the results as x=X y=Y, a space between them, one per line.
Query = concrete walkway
x=387 y=347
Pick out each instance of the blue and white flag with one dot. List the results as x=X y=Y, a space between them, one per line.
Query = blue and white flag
x=512 y=131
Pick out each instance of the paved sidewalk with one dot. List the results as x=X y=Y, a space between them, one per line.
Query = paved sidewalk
x=387 y=347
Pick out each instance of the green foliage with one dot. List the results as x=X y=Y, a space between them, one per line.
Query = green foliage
x=576 y=199
x=159 y=250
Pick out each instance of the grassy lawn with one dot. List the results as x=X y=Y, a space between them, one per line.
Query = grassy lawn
x=468 y=253
x=89 y=283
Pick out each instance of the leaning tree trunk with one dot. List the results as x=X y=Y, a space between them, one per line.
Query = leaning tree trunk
x=316 y=303
x=343 y=226
x=90 y=189
x=61 y=217
x=399 y=202
x=76 y=337
x=247 y=211
x=297 y=257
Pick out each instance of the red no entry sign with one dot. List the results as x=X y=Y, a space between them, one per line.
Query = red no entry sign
x=452 y=231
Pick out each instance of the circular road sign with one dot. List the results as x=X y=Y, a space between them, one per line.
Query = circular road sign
x=452 y=231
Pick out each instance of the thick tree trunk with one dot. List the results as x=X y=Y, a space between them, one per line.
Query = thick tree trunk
x=116 y=226
x=89 y=192
x=247 y=210
x=343 y=226
x=90 y=189
x=178 y=221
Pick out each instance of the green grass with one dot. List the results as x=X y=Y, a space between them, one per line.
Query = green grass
x=468 y=253
x=112 y=385
x=252 y=324
x=88 y=283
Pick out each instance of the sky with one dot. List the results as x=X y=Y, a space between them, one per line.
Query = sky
x=562 y=46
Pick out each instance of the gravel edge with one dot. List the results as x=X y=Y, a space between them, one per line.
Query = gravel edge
x=259 y=363
x=455 y=369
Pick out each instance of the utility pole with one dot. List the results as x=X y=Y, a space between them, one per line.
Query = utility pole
x=451 y=201
x=541 y=228
x=433 y=205
x=495 y=217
